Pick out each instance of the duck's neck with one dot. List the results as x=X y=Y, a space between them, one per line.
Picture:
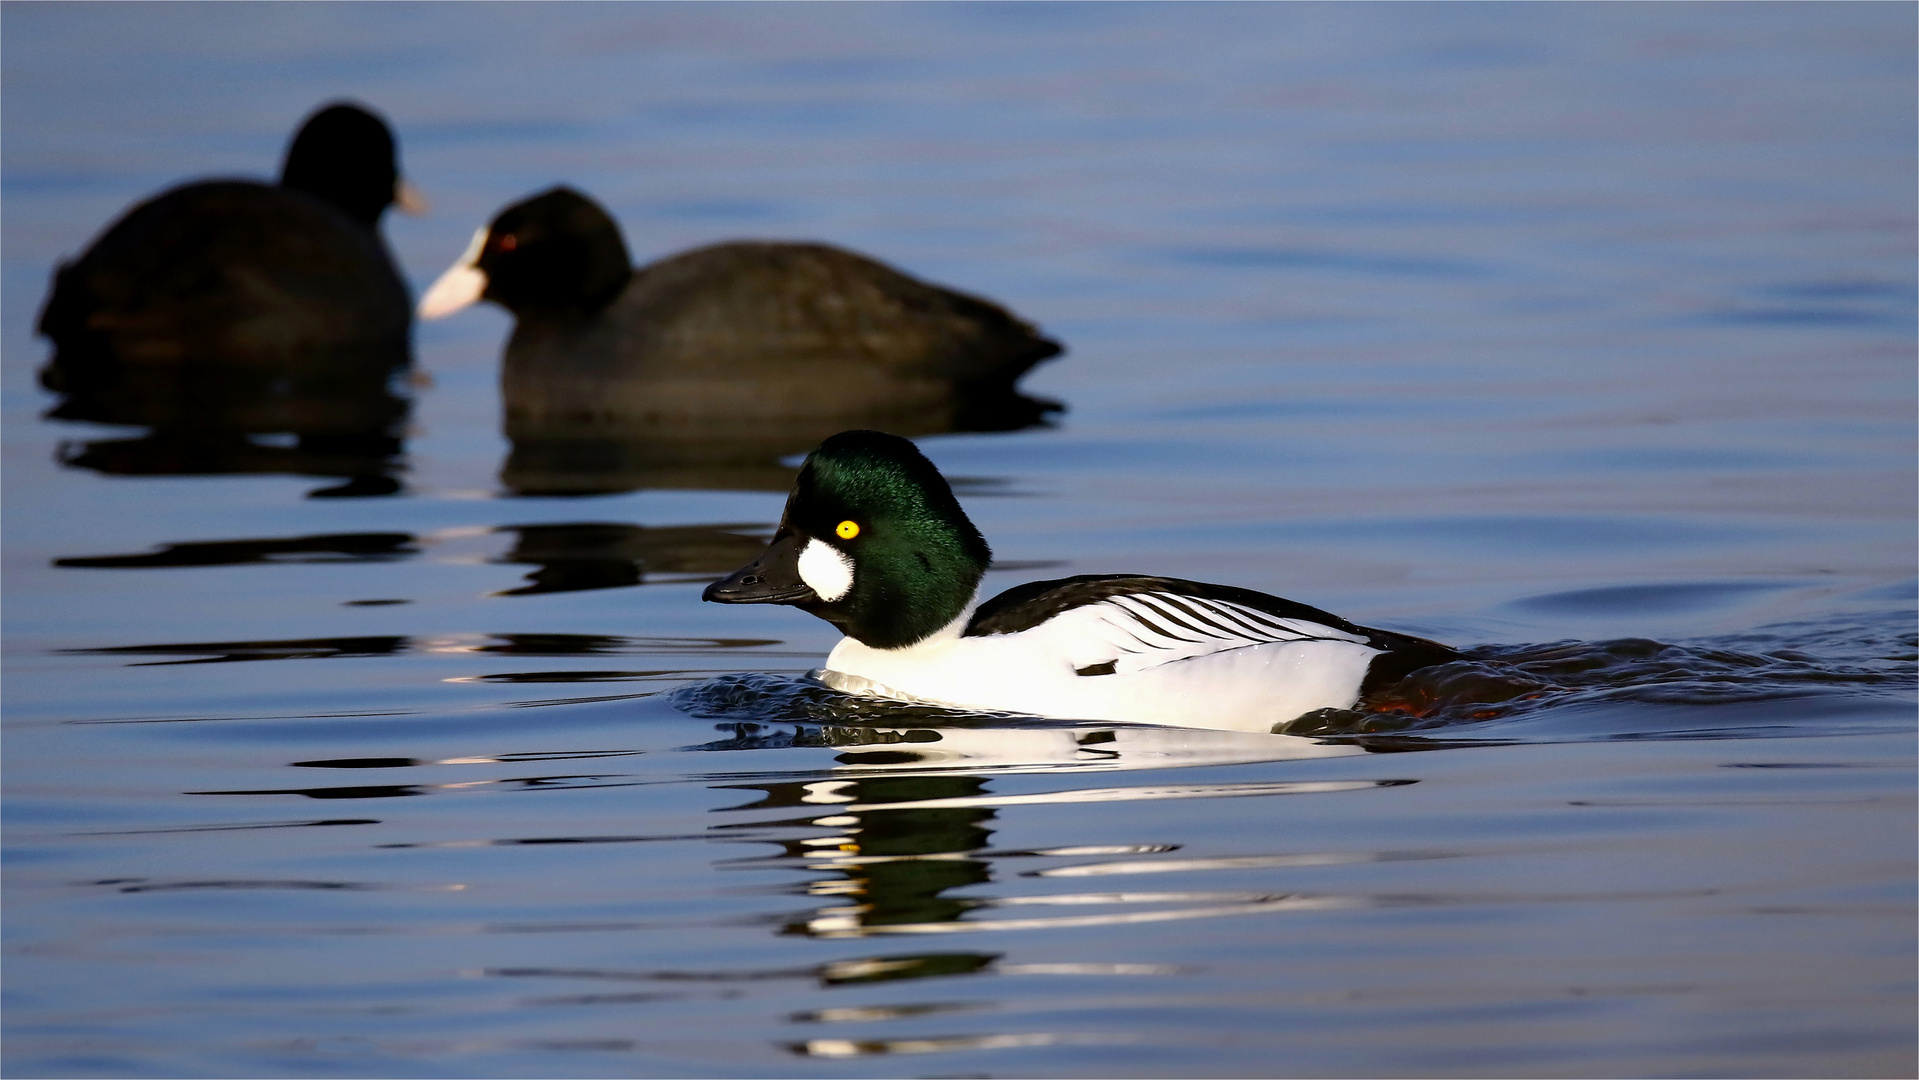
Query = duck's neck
x=953 y=630
x=947 y=633
x=875 y=669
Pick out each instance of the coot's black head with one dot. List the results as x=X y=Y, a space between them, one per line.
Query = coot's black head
x=556 y=252
x=872 y=541
x=345 y=154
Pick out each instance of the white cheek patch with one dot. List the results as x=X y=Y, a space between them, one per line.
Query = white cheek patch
x=827 y=570
x=460 y=286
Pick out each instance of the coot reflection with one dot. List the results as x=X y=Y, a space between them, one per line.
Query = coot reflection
x=610 y=555
x=566 y=557
x=221 y=312
x=706 y=368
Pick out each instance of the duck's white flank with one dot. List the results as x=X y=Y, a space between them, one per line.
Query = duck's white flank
x=1178 y=660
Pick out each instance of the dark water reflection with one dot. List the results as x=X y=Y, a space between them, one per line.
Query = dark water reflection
x=222 y=423
x=613 y=449
x=218 y=652
x=568 y=557
x=370 y=546
x=349 y=421
x=604 y=556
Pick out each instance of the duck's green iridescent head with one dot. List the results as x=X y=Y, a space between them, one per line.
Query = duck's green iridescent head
x=872 y=541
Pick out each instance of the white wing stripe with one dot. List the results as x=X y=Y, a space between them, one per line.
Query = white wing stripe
x=1146 y=618
x=1132 y=605
x=1249 y=625
x=1139 y=632
x=1155 y=621
x=1296 y=629
x=1261 y=619
x=1214 y=616
x=1206 y=636
x=1229 y=615
x=1172 y=617
x=1136 y=620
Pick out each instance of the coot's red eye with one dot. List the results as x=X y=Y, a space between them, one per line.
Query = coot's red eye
x=509 y=242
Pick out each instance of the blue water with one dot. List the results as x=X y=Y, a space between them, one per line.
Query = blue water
x=1580 y=336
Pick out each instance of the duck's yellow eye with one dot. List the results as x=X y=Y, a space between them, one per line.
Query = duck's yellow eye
x=847 y=530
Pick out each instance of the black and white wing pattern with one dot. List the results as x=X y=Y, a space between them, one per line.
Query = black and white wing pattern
x=1137 y=631
x=1111 y=625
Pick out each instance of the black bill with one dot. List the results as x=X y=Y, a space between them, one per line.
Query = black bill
x=773 y=578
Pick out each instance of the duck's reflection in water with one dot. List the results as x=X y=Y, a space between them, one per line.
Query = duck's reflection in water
x=888 y=867
x=899 y=841
x=600 y=986
x=898 y=844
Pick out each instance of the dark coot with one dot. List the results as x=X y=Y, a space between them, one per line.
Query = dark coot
x=225 y=309
x=706 y=367
x=237 y=304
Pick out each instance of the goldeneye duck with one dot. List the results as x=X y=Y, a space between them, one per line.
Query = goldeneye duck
x=239 y=276
x=874 y=542
x=738 y=334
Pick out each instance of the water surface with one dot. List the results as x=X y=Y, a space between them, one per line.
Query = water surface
x=1577 y=336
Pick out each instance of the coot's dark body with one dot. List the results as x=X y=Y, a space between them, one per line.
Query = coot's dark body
x=816 y=329
x=724 y=358
x=230 y=307
x=222 y=280
x=708 y=366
